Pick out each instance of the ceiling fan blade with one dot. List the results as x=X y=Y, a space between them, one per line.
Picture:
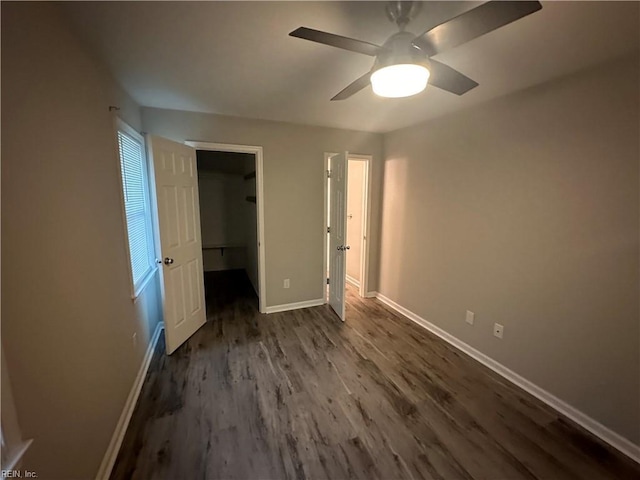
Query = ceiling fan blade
x=354 y=87
x=338 y=41
x=446 y=78
x=472 y=24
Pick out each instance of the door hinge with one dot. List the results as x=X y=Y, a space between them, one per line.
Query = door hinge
x=328 y=229
x=328 y=173
x=327 y=281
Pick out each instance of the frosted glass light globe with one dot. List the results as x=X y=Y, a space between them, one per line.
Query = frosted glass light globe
x=402 y=80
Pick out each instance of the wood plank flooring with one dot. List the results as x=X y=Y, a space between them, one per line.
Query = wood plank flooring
x=301 y=395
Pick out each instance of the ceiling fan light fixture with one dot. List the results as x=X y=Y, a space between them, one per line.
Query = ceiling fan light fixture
x=400 y=80
x=402 y=64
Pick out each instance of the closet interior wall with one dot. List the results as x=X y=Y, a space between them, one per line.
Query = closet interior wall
x=227 y=191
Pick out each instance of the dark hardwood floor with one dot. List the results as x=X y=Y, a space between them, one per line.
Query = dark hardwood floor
x=301 y=395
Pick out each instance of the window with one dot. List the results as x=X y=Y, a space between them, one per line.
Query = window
x=135 y=190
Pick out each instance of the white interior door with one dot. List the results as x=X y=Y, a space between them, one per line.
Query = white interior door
x=338 y=233
x=178 y=242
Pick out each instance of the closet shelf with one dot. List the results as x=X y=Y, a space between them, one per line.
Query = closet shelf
x=221 y=245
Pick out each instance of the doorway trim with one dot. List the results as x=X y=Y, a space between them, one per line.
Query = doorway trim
x=366 y=222
x=257 y=152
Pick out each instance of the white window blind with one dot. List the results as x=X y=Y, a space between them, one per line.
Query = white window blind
x=136 y=206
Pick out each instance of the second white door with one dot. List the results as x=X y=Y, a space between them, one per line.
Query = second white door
x=338 y=233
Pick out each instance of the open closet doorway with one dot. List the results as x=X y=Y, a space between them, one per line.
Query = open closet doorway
x=231 y=218
x=357 y=194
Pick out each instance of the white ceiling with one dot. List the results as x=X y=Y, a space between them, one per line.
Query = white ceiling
x=236 y=58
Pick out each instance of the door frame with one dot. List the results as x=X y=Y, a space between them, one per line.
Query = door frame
x=366 y=222
x=257 y=152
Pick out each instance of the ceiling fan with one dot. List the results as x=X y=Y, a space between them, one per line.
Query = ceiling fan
x=403 y=65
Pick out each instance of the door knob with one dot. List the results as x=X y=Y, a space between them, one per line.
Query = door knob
x=168 y=261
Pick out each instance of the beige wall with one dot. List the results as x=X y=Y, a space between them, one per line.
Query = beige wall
x=293 y=189
x=525 y=210
x=67 y=315
x=355 y=193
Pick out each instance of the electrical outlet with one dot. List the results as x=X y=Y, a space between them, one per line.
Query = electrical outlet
x=470 y=317
x=286 y=283
x=498 y=330
x=135 y=339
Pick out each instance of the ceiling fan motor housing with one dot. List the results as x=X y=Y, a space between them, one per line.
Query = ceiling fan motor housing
x=398 y=50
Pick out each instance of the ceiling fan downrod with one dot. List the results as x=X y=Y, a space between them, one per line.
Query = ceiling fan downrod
x=402 y=12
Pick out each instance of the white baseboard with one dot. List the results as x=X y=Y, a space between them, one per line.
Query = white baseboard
x=111 y=454
x=612 y=438
x=352 y=281
x=294 y=306
x=373 y=294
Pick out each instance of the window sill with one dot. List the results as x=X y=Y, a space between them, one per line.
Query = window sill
x=143 y=283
